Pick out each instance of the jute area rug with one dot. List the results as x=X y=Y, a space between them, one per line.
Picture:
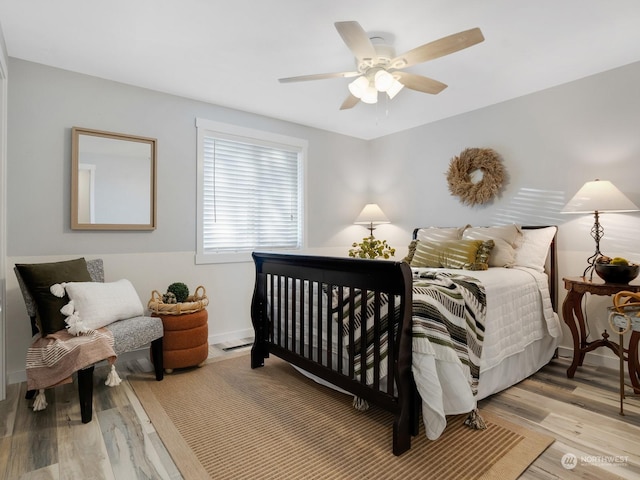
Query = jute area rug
x=225 y=420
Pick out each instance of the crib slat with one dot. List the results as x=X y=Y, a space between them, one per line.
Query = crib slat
x=376 y=341
x=391 y=342
x=339 y=328
x=363 y=337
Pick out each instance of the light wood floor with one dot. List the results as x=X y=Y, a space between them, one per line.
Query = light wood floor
x=582 y=414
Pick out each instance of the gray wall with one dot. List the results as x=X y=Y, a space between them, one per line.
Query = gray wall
x=552 y=142
x=44 y=103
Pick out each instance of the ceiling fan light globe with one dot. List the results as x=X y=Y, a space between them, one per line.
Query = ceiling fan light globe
x=383 y=80
x=370 y=95
x=395 y=88
x=358 y=87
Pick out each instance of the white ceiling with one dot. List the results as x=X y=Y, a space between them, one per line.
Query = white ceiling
x=231 y=53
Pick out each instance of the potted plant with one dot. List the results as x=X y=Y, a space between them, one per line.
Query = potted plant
x=371 y=248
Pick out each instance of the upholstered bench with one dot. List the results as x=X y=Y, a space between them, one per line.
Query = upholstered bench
x=128 y=334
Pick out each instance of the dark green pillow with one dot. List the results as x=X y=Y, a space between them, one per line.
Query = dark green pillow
x=39 y=277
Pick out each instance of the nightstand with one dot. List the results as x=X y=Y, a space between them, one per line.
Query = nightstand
x=574 y=318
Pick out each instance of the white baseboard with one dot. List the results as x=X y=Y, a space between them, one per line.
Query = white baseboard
x=594 y=358
x=16 y=377
x=230 y=336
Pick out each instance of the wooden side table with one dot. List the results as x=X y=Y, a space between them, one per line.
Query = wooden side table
x=574 y=318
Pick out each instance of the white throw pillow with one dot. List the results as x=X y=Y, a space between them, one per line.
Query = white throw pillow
x=506 y=239
x=439 y=234
x=98 y=304
x=535 y=247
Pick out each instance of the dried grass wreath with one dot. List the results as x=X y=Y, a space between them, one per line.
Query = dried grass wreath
x=459 y=175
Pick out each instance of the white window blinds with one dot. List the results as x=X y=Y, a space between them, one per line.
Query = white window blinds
x=251 y=194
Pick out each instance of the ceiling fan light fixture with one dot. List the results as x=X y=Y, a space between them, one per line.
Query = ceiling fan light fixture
x=394 y=89
x=377 y=64
x=358 y=87
x=383 y=80
x=370 y=95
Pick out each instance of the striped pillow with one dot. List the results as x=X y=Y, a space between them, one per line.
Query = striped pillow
x=457 y=254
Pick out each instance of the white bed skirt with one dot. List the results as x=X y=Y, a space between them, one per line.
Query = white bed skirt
x=507 y=373
x=517 y=367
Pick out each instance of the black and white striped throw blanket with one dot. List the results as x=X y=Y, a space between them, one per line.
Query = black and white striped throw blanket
x=449 y=311
x=448 y=317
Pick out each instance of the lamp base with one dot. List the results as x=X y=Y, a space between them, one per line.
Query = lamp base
x=590 y=269
x=597 y=232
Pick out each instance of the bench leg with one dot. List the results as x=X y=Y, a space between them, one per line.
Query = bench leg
x=157 y=355
x=85 y=393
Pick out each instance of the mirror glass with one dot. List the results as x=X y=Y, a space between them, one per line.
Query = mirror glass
x=113 y=181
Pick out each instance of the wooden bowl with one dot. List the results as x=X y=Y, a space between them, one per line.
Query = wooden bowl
x=617 y=273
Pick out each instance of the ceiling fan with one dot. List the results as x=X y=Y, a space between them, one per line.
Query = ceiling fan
x=380 y=70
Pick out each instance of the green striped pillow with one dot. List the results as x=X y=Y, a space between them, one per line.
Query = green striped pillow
x=460 y=254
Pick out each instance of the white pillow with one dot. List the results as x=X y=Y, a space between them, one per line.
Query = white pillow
x=439 y=234
x=99 y=304
x=535 y=247
x=505 y=237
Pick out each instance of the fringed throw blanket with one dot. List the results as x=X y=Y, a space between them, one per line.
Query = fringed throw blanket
x=448 y=332
x=52 y=360
x=449 y=310
x=449 y=313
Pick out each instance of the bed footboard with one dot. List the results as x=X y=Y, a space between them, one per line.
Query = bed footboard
x=345 y=320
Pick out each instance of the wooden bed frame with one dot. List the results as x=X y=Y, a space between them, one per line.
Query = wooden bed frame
x=278 y=280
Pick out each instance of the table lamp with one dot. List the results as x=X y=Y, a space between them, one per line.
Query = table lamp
x=598 y=196
x=371 y=215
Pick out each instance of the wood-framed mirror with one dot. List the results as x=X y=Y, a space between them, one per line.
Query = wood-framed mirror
x=113 y=181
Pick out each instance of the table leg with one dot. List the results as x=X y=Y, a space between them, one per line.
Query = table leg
x=572 y=316
x=621 y=355
x=633 y=363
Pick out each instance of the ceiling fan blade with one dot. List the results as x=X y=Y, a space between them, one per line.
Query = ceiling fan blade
x=438 y=48
x=420 y=83
x=318 y=76
x=349 y=102
x=356 y=39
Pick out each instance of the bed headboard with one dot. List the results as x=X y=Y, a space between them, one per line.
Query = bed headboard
x=551 y=264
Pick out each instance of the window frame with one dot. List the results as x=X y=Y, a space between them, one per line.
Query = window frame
x=250 y=135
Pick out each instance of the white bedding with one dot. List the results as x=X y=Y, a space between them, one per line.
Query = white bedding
x=519 y=316
x=522 y=331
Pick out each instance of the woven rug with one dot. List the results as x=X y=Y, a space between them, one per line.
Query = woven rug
x=225 y=420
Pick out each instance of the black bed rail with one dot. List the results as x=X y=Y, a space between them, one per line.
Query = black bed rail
x=312 y=311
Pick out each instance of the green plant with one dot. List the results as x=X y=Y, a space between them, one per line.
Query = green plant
x=371 y=248
x=180 y=290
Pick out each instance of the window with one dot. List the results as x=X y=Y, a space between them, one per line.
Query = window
x=250 y=192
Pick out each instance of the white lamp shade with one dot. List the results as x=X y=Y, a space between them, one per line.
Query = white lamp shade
x=394 y=89
x=383 y=80
x=358 y=86
x=370 y=95
x=371 y=214
x=599 y=196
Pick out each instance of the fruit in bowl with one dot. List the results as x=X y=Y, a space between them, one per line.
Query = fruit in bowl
x=616 y=269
